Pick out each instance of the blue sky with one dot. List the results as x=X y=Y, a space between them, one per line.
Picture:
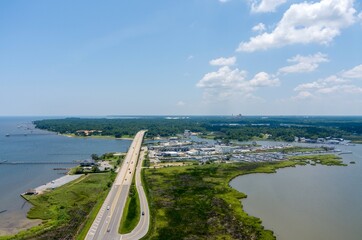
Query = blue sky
x=254 y=57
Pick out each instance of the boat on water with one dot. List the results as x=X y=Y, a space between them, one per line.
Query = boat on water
x=7 y=135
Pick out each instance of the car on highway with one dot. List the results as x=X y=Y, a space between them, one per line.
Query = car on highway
x=143 y=213
x=108 y=207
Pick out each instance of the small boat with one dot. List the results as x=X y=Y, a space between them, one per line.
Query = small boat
x=7 y=135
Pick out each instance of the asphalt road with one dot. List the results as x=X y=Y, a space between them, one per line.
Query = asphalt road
x=142 y=227
x=106 y=224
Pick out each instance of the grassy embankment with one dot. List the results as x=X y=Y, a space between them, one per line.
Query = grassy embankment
x=354 y=139
x=327 y=160
x=292 y=149
x=196 y=202
x=67 y=211
x=131 y=214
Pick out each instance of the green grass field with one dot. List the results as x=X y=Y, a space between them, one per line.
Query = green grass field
x=327 y=160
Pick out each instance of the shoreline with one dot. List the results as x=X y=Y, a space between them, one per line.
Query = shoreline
x=96 y=137
x=11 y=226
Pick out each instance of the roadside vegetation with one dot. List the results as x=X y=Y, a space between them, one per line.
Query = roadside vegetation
x=196 y=202
x=68 y=211
x=131 y=214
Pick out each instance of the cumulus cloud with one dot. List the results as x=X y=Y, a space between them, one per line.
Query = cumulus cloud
x=263 y=79
x=304 y=63
x=355 y=72
x=260 y=27
x=226 y=83
x=306 y=22
x=223 y=61
x=260 y=6
x=322 y=84
x=334 y=84
x=303 y=95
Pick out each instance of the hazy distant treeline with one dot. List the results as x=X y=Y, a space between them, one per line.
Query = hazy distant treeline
x=240 y=128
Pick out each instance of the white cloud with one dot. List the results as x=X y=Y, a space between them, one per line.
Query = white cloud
x=227 y=83
x=332 y=85
x=224 y=77
x=355 y=72
x=304 y=63
x=303 y=95
x=263 y=79
x=180 y=103
x=265 y=5
x=306 y=22
x=260 y=27
x=224 y=1
x=322 y=84
x=190 y=57
x=223 y=61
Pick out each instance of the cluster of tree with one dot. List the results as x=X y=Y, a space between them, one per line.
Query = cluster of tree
x=120 y=127
x=240 y=128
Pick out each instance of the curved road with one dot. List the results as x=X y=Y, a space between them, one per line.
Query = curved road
x=106 y=224
x=142 y=227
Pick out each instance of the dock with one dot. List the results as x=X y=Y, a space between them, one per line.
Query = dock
x=35 y=162
x=28 y=134
x=51 y=185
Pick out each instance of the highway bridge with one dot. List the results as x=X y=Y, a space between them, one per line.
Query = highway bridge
x=107 y=222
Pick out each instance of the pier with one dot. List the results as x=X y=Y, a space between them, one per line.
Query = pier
x=34 y=162
x=28 y=134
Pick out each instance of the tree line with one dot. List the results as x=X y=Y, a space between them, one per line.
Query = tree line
x=243 y=129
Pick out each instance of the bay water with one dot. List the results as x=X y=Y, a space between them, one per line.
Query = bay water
x=308 y=202
x=21 y=142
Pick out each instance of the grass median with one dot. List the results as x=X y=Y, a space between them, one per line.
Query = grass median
x=131 y=214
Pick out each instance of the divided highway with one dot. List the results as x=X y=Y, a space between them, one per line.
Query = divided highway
x=106 y=224
x=142 y=227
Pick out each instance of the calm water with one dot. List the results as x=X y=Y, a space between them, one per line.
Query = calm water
x=15 y=179
x=307 y=202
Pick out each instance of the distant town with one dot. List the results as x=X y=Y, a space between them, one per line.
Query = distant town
x=188 y=147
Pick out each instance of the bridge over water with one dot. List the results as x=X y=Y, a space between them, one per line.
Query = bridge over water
x=28 y=134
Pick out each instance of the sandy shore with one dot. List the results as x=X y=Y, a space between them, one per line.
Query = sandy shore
x=12 y=222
